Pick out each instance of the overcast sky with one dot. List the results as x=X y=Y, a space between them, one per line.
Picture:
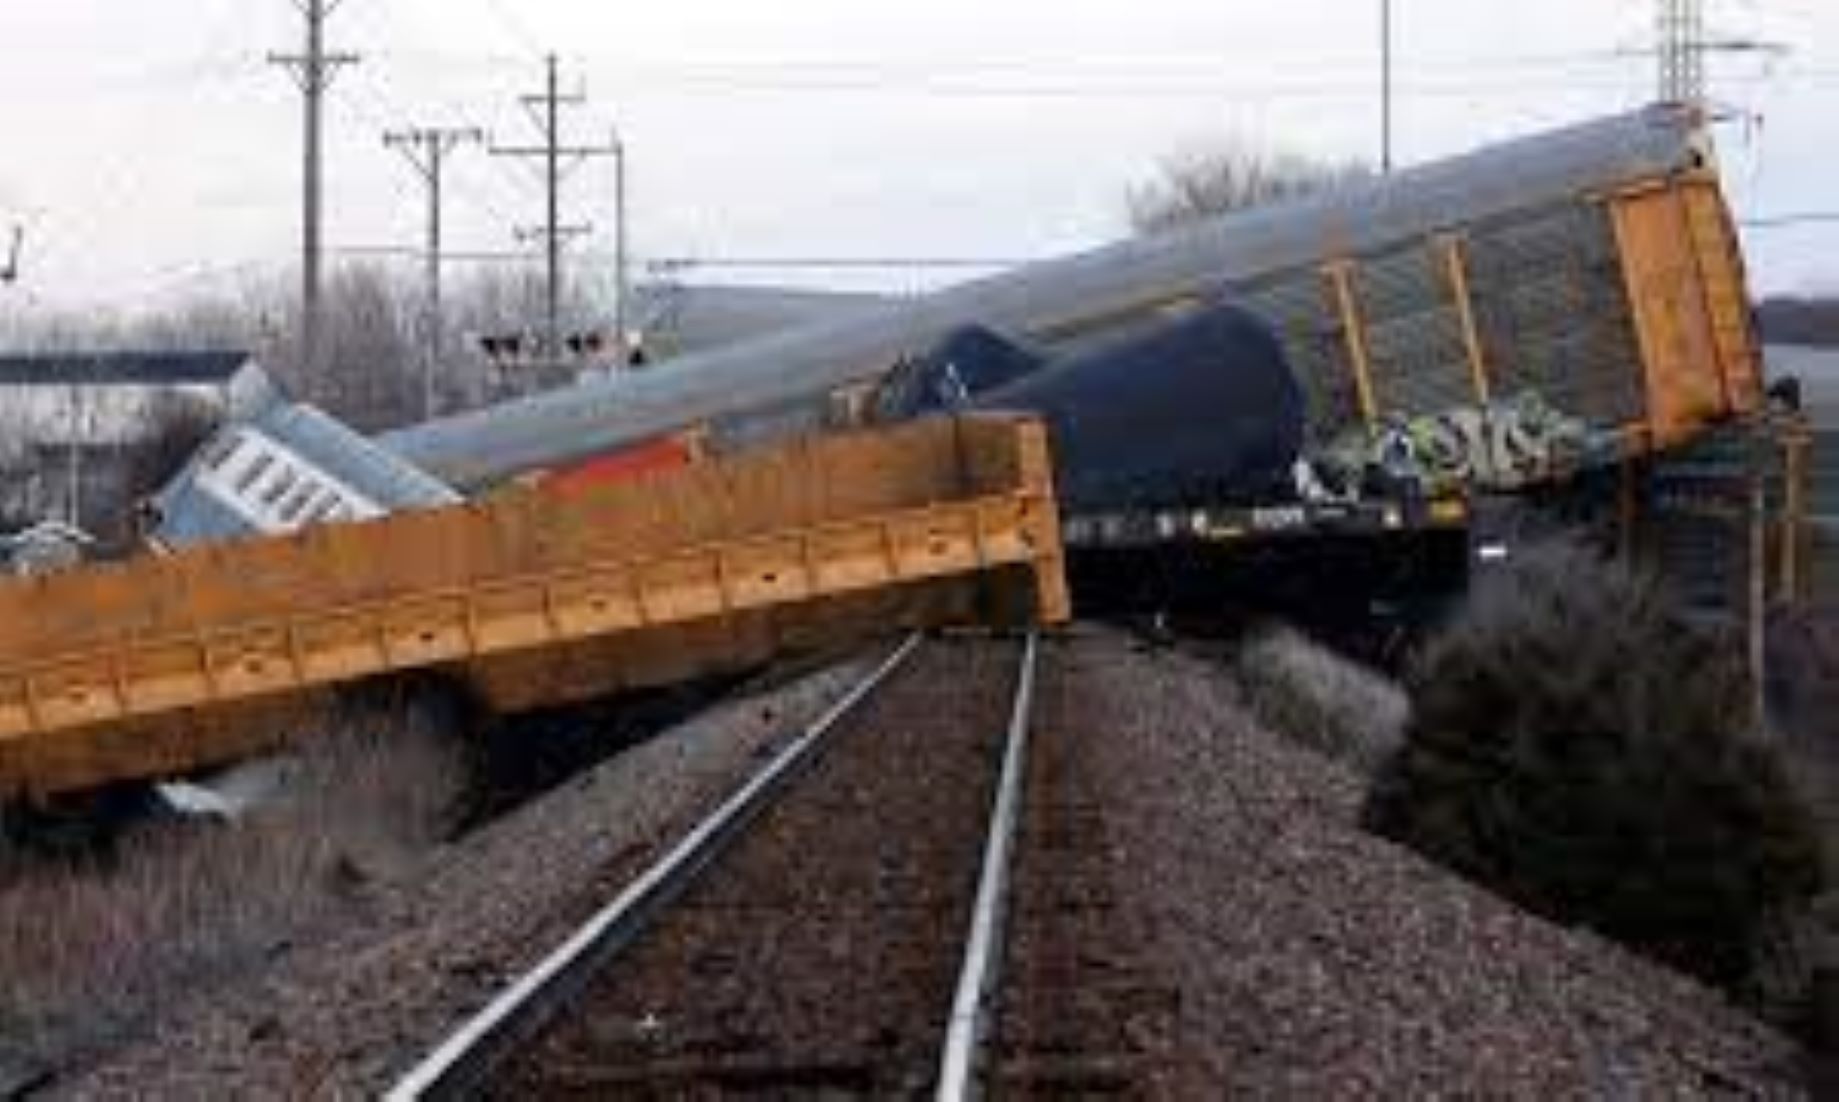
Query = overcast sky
x=152 y=153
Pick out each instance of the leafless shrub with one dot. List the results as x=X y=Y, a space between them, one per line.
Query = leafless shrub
x=92 y=949
x=1305 y=691
x=1199 y=184
x=175 y=429
x=1580 y=747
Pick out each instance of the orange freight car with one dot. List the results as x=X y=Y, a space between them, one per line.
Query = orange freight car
x=650 y=457
x=142 y=668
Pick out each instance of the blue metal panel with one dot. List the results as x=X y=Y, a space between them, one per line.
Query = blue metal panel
x=286 y=468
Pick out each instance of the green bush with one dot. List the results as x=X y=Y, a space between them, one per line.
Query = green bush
x=1580 y=747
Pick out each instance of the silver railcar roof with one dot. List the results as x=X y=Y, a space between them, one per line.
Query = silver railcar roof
x=558 y=426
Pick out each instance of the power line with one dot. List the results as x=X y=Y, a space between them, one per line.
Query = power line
x=380 y=113
x=684 y=262
x=516 y=26
x=1356 y=67
x=1801 y=218
x=844 y=263
x=313 y=71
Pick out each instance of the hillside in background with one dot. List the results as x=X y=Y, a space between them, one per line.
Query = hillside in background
x=1811 y=322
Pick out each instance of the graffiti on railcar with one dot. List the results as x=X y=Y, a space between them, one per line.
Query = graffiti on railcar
x=1504 y=445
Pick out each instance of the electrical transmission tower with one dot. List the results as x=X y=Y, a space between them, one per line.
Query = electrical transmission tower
x=426 y=149
x=313 y=70
x=545 y=111
x=1681 y=36
x=1683 y=46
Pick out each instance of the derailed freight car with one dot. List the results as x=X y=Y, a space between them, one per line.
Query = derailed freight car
x=1490 y=323
x=1416 y=346
x=1452 y=284
x=1503 y=350
x=1579 y=283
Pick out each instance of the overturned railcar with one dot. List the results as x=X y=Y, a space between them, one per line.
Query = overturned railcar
x=1577 y=298
x=1493 y=338
x=1522 y=337
x=1594 y=265
x=1484 y=317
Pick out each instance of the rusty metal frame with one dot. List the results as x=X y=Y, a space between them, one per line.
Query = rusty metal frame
x=1454 y=253
x=1340 y=276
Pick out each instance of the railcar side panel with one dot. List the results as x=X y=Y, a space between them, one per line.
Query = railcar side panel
x=99 y=667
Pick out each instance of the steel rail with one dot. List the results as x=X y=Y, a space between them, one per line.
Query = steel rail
x=960 y=1063
x=462 y=1061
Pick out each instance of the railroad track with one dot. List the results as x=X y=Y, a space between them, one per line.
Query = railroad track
x=835 y=926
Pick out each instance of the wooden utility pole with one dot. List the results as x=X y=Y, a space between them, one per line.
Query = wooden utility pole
x=1385 y=86
x=622 y=255
x=426 y=150
x=556 y=157
x=313 y=70
x=10 y=273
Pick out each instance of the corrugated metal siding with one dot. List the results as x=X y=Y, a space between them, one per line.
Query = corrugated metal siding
x=1553 y=312
x=1550 y=307
x=1414 y=333
x=353 y=459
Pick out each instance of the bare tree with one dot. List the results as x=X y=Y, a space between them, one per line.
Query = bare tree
x=370 y=370
x=175 y=427
x=1199 y=184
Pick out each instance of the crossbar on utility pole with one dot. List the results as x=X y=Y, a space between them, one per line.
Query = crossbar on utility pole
x=426 y=149
x=545 y=110
x=313 y=71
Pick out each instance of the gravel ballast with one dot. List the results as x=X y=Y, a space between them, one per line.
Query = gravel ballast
x=1252 y=940
x=1197 y=914
x=344 y=1016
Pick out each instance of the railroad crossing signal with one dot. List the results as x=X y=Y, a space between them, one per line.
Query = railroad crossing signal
x=530 y=350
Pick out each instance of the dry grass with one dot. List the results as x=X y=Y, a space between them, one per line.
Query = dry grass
x=92 y=949
x=1330 y=703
